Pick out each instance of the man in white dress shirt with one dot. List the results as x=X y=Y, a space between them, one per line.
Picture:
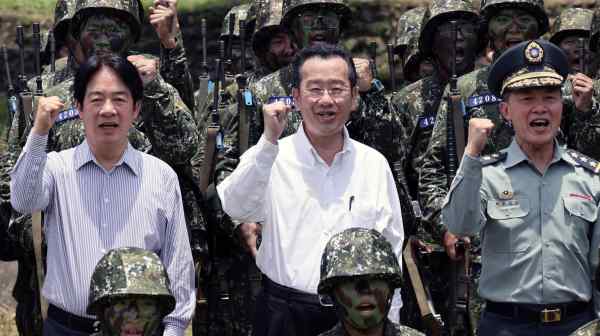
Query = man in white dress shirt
x=307 y=187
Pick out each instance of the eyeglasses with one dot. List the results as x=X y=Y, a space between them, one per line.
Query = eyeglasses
x=323 y=17
x=318 y=93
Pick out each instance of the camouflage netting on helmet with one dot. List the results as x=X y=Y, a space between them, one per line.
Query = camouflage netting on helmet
x=409 y=29
x=572 y=21
x=131 y=11
x=292 y=8
x=268 y=20
x=535 y=7
x=245 y=12
x=358 y=252
x=441 y=11
x=129 y=272
x=595 y=35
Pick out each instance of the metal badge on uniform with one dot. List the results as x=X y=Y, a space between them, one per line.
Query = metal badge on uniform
x=506 y=195
x=287 y=100
x=534 y=53
x=65 y=115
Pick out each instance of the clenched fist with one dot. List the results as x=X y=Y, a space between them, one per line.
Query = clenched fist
x=479 y=131
x=45 y=116
x=365 y=75
x=146 y=67
x=275 y=116
x=163 y=17
x=583 y=90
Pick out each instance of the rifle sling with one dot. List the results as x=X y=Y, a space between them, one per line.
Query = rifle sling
x=36 y=231
x=209 y=158
x=416 y=281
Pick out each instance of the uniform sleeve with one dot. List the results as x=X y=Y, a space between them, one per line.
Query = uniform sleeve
x=463 y=210
x=168 y=123
x=177 y=258
x=31 y=181
x=594 y=261
x=175 y=70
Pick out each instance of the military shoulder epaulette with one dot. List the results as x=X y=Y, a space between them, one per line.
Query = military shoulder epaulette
x=487 y=160
x=585 y=161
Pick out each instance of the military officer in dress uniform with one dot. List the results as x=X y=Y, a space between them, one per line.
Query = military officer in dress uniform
x=535 y=203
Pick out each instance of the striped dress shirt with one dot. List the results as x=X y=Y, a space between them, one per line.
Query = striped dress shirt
x=89 y=210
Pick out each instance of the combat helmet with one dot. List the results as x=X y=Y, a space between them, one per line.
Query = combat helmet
x=441 y=11
x=595 y=34
x=358 y=252
x=129 y=272
x=291 y=8
x=409 y=28
x=576 y=21
x=63 y=13
x=131 y=11
x=268 y=20
x=535 y=7
x=242 y=12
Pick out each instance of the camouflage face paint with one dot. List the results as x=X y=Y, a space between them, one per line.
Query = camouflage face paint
x=510 y=27
x=365 y=302
x=103 y=34
x=135 y=316
x=316 y=26
x=466 y=46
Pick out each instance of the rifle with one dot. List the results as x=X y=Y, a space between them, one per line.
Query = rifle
x=372 y=51
x=25 y=115
x=37 y=46
x=459 y=278
x=204 y=78
x=11 y=99
x=243 y=46
x=391 y=66
x=582 y=56
x=432 y=321
x=229 y=51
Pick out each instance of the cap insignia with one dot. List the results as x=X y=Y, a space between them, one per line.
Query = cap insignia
x=534 y=53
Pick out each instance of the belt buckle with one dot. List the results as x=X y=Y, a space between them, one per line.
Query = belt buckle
x=550 y=315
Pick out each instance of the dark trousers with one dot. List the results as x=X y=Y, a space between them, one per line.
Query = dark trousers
x=492 y=324
x=285 y=311
x=54 y=328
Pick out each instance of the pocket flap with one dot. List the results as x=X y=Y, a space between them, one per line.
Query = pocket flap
x=581 y=208
x=505 y=209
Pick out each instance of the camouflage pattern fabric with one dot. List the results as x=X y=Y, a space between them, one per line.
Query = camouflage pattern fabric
x=131 y=11
x=409 y=28
x=268 y=20
x=535 y=7
x=595 y=33
x=358 y=252
x=587 y=137
x=242 y=12
x=572 y=20
x=390 y=329
x=291 y=8
x=129 y=271
x=174 y=68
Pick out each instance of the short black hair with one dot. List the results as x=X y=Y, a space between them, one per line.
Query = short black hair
x=325 y=51
x=126 y=71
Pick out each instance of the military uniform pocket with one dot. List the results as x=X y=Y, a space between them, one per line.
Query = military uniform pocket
x=506 y=230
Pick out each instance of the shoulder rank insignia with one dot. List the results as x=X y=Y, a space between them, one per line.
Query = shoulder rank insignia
x=584 y=161
x=487 y=160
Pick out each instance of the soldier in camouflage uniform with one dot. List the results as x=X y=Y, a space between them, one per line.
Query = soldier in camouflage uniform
x=507 y=22
x=414 y=65
x=130 y=293
x=416 y=106
x=164 y=129
x=571 y=32
x=359 y=269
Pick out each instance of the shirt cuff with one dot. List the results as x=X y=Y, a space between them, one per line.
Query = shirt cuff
x=470 y=167
x=173 y=330
x=266 y=153
x=36 y=144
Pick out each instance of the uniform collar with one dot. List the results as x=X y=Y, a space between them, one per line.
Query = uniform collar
x=307 y=151
x=83 y=155
x=515 y=154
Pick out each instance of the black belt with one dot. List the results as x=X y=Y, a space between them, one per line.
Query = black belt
x=287 y=293
x=71 y=321
x=538 y=313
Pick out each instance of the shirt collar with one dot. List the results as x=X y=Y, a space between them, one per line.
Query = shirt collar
x=84 y=155
x=515 y=154
x=308 y=152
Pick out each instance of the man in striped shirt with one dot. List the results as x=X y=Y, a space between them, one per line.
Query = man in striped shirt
x=101 y=195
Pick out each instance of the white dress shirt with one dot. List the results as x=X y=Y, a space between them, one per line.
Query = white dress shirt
x=302 y=202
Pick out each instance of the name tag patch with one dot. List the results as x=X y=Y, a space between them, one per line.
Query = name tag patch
x=65 y=115
x=426 y=121
x=484 y=99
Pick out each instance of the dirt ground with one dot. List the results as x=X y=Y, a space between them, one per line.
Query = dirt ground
x=8 y=272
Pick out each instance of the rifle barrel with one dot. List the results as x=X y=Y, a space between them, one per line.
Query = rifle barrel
x=243 y=46
x=11 y=88
x=37 y=42
x=204 y=59
x=582 y=56
x=21 y=44
x=231 y=31
x=454 y=77
x=52 y=42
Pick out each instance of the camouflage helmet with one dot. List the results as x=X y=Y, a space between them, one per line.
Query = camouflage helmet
x=358 y=252
x=534 y=7
x=129 y=272
x=242 y=12
x=576 y=21
x=292 y=8
x=595 y=34
x=441 y=11
x=268 y=20
x=63 y=13
x=131 y=11
x=409 y=28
